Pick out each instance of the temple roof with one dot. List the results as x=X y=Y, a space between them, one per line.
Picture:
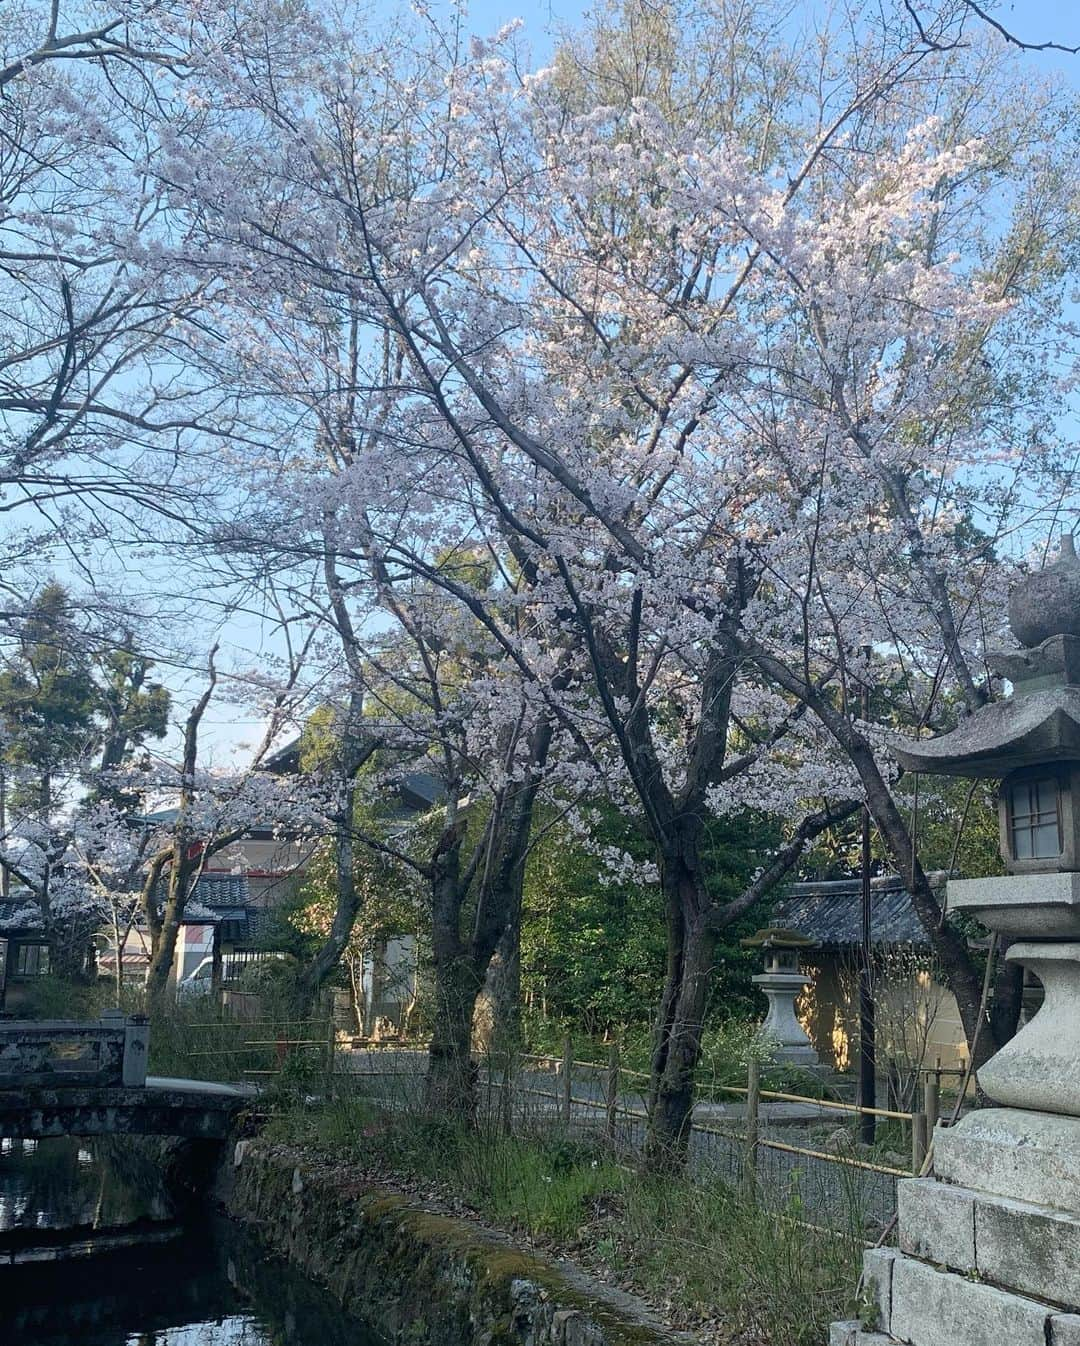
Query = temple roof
x=1041 y=726
x=830 y=912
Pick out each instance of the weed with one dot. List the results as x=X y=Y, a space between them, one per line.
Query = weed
x=703 y=1247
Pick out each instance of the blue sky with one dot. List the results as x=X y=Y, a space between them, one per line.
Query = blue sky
x=1031 y=20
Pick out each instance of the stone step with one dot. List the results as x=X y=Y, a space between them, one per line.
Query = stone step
x=1014 y=1244
x=1024 y=1156
x=922 y=1306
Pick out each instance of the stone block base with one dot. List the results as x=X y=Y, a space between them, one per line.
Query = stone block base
x=922 y=1305
x=991 y=1255
x=1025 y=1156
x=1016 y=1245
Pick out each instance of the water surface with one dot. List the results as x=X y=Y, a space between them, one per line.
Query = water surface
x=209 y=1284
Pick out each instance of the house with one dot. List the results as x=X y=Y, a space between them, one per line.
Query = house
x=24 y=949
x=918 y=1021
x=242 y=884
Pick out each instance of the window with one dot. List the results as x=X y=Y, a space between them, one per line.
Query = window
x=1035 y=819
x=31 y=960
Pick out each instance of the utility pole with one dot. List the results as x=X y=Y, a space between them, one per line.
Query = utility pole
x=867 y=1063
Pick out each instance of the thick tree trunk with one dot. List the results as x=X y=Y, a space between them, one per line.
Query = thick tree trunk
x=461 y=962
x=162 y=956
x=498 y=1008
x=165 y=927
x=451 y=1079
x=452 y=1072
x=497 y=935
x=677 y=1046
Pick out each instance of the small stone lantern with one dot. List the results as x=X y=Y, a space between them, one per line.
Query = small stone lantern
x=783 y=981
x=989 y=1248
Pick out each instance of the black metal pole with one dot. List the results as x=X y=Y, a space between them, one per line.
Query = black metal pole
x=867 y=1063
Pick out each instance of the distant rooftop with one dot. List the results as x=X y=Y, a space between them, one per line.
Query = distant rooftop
x=18 y=914
x=831 y=913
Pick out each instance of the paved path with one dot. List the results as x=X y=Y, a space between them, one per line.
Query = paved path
x=209 y=1087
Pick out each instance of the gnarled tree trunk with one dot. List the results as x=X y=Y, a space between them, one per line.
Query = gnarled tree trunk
x=677 y=1041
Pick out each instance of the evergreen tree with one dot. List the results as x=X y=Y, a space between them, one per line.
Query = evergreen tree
x=48 y=704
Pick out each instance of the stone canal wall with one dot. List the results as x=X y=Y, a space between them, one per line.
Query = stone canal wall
x=416 y=1276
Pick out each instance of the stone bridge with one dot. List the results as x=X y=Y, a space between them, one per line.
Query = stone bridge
x=66 y=1078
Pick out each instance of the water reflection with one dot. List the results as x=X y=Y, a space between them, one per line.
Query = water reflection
x=211 y=1286
x=62 y=1183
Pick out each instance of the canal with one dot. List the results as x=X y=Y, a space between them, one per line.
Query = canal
x=94 y=1253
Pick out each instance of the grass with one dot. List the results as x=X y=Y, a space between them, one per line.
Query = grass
x=52 y=997
x=712 y=1255
x=192 y=1042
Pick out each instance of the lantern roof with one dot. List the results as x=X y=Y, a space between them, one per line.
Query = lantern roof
x=1043 y=726
x=1040 y=722
x=774 y=937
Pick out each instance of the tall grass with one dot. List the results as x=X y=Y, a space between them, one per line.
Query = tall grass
x=712 y=1253
x=193 y=1041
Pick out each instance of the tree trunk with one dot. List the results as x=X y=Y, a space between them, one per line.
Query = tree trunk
x=452 y=1073
x=162 y=956
x=677 y=1046
x=1007 y=1001
x=354 y=752
x=165 y=929
x=498 y=1008
x=346 y=909
x=451 y=1079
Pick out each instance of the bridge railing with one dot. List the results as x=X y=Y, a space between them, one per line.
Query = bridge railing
x=54 y=1053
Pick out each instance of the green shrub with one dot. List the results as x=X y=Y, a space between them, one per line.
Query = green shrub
x=53 y=997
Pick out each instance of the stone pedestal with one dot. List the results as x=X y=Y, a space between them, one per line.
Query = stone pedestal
x=974 y=1268
x=989 y=1249
x=781 y=1027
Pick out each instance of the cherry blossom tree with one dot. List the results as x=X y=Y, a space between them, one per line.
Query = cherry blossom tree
x=726 y=411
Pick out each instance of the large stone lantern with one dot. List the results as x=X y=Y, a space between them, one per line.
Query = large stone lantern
x=989 y=1248
x=782 y=982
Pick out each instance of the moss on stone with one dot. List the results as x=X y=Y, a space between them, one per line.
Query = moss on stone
x=415 y=1275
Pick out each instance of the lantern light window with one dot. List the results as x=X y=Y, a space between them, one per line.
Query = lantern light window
x=1035 y=819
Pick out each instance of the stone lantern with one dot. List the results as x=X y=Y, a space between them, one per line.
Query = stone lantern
x=783 y=981
x=989 y=1249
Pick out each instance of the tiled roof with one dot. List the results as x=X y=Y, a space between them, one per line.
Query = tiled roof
x=217 y=891
x=227 y=897
x=17 y=914
x=221 y=888
x=831 y=913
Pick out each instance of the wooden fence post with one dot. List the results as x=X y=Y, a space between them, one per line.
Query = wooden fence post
x=567 y=1073
x=932 y=1102
x=753 y=1101
x=918 y=1142
x=612 y=1089
x=331 y=1045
